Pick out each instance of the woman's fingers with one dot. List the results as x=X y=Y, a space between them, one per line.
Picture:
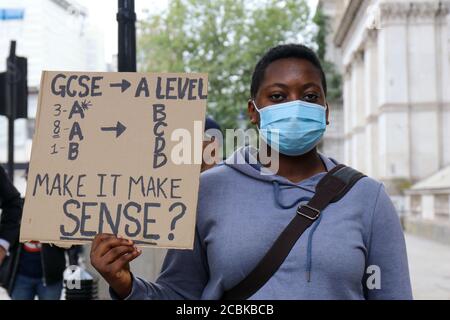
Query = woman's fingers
x=110 y=256
x=122 y=262
x=116 y=252
x=99 y=238
x=108 y=243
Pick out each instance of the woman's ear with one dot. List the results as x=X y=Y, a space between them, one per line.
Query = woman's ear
x=252 y=113
x=327 y=113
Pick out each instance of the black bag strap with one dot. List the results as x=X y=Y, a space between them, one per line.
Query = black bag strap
x=331 y=188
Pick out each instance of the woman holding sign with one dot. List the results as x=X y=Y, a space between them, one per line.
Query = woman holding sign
x=313 y=229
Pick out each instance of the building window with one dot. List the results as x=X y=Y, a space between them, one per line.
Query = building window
x=416 y=205
x=441 y=204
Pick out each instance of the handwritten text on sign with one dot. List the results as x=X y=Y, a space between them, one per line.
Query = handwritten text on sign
x=101 y=158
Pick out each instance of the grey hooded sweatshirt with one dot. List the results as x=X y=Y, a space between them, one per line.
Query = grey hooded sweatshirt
x=355 y=250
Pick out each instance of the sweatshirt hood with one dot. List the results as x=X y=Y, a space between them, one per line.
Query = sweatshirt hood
x=245 y=161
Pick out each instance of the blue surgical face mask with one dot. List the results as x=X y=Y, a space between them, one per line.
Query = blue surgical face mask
x=292 y=128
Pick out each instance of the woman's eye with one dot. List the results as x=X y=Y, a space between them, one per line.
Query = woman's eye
x=276 y=97
x=311 y=97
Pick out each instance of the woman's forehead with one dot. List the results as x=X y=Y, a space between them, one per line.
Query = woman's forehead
x=291 y=70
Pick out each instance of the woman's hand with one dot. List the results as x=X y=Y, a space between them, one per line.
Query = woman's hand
x=111 y=257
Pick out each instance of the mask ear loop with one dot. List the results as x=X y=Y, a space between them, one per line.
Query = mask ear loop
x=257 y=109
x=254 y=104
x=326 y=109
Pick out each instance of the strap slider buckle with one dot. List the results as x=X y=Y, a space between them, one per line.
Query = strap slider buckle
x=306 y=215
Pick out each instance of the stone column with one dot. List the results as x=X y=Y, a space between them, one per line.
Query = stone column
x=352 y=115
x=424 y=92
x=347 y=109
x=443 y=47
x=370 y=104
x=393 y=95
x=359 y=113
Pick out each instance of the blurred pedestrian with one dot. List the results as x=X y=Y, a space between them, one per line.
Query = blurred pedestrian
x=212 y=143
x=31 y=269
x=11 y=208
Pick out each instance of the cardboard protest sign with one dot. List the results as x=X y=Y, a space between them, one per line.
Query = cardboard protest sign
x=116 y=153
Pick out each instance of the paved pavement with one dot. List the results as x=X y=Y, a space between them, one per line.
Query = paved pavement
x=429 y=265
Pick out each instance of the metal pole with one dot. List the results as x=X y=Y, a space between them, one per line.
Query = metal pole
x=11 y=94
x=126 y=18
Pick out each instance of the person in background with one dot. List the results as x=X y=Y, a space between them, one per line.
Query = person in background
x=11 y=209
x=211 y=145
x=27 y=269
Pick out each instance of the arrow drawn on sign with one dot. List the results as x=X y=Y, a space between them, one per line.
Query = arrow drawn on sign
x=124 y=85
x=119 y=129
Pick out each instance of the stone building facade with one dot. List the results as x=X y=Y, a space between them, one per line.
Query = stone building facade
x=394 y=56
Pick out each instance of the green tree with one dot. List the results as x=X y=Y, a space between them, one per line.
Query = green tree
x=223 y=38
x=334 y=79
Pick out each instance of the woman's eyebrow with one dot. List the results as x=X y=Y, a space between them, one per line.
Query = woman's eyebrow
x=285 y=86
x=311 y=84
x=277 y=84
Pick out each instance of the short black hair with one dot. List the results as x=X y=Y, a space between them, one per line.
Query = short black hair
x=211 y=124
x=284 y=51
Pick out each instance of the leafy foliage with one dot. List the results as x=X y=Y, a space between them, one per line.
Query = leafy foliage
x=334 y=79
x=223 y=38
